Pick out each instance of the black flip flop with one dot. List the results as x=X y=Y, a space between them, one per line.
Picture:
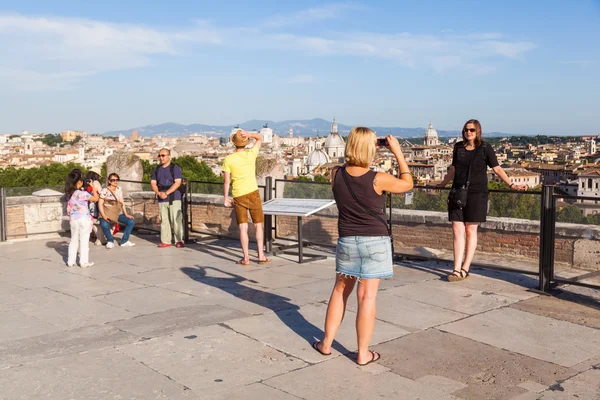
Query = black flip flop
x=315 y=346
x=372 y=359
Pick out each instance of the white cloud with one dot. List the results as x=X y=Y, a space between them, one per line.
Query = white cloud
x=57 y=53
x=314 y=14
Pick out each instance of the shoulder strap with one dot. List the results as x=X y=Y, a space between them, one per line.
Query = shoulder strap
x=471 y=164
x=113 y=193
x=368 y=210
x=173 y=173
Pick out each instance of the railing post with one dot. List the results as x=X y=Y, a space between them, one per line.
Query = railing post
x=268 y=218
x=391 y=227
x=3 y=223
x=185 y=211
x=547 y=235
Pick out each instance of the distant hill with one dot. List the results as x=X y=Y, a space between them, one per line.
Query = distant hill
x=311 y=127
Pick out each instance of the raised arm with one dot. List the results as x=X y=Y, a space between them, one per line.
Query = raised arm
x=388 y=183
x=255 y=136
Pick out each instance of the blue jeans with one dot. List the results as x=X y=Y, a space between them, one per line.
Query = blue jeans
x=123 y=220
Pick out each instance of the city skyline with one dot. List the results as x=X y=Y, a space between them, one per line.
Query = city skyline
x=519 y=68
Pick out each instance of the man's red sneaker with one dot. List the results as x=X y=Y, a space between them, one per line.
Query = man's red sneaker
x=165 y=245
x=179 y=244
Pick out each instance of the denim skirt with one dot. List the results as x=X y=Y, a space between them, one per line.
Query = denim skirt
x=364 y=257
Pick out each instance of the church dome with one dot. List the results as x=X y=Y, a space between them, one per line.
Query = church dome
x=334 y=140
x=317 y=157
x=431 y=132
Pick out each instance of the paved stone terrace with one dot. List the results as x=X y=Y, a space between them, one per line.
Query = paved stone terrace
x=149 y=323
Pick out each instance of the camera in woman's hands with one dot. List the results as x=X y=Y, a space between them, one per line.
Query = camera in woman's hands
x=382 y=142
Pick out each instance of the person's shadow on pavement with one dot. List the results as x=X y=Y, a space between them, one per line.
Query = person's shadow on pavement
x=286 y=311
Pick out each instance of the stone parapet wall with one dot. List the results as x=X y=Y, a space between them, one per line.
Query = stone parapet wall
x=575 y=245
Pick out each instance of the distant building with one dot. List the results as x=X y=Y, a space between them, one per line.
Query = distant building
x=593 y=146
x=334 y=144
x=431 y=137
x=520 y=177
x=134 y=135
x=267 y=134
x=66 y=156
x=69 y=136
x=291 y=132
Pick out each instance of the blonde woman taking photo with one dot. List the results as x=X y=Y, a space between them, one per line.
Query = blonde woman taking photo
x=363 y=253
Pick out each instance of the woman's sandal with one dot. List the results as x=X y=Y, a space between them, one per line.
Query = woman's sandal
x=315 y=346
x=458 y=275
x=376 y=357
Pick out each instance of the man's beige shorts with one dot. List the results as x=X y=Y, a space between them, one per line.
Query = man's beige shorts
x=248 y=203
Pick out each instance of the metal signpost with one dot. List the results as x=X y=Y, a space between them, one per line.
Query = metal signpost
x=299 y=208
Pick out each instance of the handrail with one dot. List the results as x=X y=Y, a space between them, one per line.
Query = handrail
x=564 y=196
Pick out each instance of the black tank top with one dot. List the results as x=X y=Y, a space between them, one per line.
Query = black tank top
x=352 y=219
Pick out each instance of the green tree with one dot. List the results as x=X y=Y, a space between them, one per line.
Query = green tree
x=570 y=214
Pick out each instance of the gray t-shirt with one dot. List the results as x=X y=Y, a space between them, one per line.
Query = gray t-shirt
x=165 y=180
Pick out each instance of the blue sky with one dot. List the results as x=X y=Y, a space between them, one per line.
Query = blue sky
x=519 y=67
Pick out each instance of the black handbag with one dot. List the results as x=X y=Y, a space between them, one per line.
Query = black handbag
x=457 y=198
x=368 y=210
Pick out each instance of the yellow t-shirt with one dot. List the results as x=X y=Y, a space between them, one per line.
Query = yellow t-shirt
x=242 y=167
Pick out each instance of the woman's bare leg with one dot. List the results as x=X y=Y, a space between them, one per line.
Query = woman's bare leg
x=336 y=309
x=365 y=317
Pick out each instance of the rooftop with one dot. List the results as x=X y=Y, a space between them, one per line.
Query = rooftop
x=152 y=323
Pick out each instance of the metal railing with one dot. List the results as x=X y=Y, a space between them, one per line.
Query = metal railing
x=542 y=207
x=547 y=271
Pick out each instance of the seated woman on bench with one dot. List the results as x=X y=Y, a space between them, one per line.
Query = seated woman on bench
x=113 y=211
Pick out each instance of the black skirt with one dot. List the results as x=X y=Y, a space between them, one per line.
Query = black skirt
x=475 y=211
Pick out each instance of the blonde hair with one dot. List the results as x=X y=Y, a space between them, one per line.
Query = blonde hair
x=360 y=148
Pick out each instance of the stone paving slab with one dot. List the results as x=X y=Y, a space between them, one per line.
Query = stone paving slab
x=102 y=374
x=42 y=278
x=452 y=296
x=582 y=386
x=7 y=288
x=62 y=343
x=488 y=372
x=103 y=269
x=340 y=378
x=155 y=277
x=29 y=266
x=442 y=383
x=212 y=359
x=321 y=269
x=502 y=283
x=408 y=314
x=17 y=325
x=293 y=331
x=547 y=306
x=148 y=300
x=183 y=318
x=95 y=287
x=69 y=314
x=30 y=297
x=539 y=337
x=406 y=273
x=256 y=391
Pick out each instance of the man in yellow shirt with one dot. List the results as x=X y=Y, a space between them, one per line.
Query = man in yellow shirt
x=240 y=167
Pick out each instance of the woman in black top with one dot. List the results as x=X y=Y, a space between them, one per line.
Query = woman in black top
x=363 y=252
x=480 y=155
